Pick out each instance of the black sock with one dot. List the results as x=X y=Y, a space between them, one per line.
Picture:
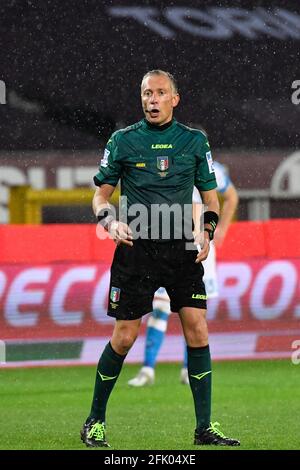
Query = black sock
x=108 y=370
x=199 y=368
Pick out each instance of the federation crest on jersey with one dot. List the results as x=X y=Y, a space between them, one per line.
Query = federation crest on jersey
x=210 y=162
x=104 y=161
x=162 y=163
x=115 y=293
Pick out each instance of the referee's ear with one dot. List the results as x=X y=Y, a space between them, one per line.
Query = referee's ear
x=176 y=99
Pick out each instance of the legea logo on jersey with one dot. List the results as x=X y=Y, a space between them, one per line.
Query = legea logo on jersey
x=161 y=146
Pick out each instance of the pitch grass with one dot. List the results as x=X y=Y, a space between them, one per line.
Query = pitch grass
x=257 y=402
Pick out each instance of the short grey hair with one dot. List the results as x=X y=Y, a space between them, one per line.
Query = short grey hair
x=166 y=74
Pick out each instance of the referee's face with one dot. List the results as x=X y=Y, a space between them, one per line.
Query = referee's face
x=158 y=99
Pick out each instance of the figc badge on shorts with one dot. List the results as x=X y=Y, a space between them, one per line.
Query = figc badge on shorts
x=115 y=294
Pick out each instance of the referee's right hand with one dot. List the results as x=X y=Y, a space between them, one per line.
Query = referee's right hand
x=121 y=233
x=202 y=240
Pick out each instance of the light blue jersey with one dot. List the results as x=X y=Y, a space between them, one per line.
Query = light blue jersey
x=222 y=177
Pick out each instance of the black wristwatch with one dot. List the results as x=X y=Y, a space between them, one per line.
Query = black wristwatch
x=210 y=233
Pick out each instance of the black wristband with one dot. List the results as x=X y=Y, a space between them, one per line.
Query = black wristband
x=211 y=218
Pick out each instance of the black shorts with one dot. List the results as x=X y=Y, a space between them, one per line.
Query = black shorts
x=138 y=271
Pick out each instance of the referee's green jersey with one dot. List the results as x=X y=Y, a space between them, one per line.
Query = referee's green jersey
x=157 y=164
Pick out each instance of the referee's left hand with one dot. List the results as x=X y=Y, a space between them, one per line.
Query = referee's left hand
x=202 y=240
x=121 y=233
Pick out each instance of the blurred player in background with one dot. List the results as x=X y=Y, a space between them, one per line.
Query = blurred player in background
x=159 y=161
x=158 y=320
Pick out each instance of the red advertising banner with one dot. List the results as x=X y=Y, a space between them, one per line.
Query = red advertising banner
x=68 y=300
x=60 y=300
x=40 y=244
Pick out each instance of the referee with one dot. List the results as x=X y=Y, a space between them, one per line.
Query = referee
x=159 y=161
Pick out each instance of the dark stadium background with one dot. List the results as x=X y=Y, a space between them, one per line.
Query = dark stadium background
x=73 y=69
